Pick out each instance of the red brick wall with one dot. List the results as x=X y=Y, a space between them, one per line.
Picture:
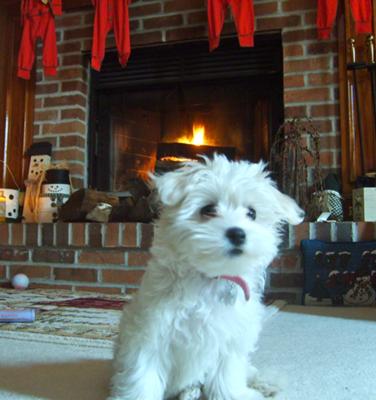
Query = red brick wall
x=102 y=257
x=112 y=257
x=310 y=69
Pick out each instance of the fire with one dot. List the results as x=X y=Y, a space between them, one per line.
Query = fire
x=197 y=138
x=186 y=151
x=198 y=135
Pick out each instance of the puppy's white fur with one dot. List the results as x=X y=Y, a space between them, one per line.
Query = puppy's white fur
x=179 y=333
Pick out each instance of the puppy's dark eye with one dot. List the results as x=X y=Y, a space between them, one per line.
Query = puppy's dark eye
x=209 y=211
x=251 y=213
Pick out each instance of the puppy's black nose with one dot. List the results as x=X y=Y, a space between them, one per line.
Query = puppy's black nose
x=236 y=236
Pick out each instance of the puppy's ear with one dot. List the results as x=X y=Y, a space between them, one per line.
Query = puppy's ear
x=171 y=187
x=287 y=208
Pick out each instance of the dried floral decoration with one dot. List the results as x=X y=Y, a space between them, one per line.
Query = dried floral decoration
x=294 y=154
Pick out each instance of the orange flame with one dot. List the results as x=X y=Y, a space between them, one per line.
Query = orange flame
x=198 y=136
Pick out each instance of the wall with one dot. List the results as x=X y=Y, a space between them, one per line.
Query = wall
x=310 y=79
x=112 y=258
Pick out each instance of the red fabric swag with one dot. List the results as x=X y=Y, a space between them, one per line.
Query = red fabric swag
x=38 y=22
x=243 y=13
x=326 y=13
x=110 y=14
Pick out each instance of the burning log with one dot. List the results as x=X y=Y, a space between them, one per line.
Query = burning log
x=184 y=151
x=171 y=155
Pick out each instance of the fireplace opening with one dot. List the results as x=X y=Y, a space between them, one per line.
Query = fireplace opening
x=176 y=101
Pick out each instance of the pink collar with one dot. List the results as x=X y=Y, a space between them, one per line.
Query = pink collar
x=239 y=281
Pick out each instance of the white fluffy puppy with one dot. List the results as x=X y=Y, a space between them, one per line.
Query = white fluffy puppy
x=197 y=316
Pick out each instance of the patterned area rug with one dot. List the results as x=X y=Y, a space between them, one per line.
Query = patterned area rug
x=64 y=313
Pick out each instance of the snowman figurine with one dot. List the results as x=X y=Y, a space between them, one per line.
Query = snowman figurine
x=11 y=202
x=40 y=160
x=55 y=191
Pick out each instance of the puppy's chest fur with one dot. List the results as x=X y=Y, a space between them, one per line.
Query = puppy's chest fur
x=205 y=316
x=199 y=334
x=205 y=329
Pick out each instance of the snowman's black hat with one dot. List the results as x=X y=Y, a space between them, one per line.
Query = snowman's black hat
x=54 y=176
x=39 y=148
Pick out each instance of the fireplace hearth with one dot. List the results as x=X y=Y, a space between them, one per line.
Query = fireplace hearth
x=177 y=101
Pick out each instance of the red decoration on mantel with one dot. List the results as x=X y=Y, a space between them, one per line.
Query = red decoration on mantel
x=38 y=20
x=243 y=13
x=110 y=14
x=327 y=10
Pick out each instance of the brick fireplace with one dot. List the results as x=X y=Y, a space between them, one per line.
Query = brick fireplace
x=309 y=80
x=112 y=257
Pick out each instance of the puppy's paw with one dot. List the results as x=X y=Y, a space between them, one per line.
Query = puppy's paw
x=250 y=394
x=246 y=394
x=267 y=389
x=257 y=382
x=191 y=393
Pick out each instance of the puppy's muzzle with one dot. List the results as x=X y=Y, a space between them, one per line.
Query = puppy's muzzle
x=236 y=236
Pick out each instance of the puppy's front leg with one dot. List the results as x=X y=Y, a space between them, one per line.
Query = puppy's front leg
x=138 y=373
x=229 y=380
x=139 y=382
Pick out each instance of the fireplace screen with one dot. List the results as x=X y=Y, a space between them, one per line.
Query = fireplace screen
x=182 y=102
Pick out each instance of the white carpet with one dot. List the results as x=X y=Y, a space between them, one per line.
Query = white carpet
x=320 y=353
x=310 y=356
x=43 y=367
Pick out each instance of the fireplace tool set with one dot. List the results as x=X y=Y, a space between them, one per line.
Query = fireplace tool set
x=354 y=66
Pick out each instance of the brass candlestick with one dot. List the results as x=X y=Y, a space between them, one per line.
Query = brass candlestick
x=371 y=49
x=352 y=50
